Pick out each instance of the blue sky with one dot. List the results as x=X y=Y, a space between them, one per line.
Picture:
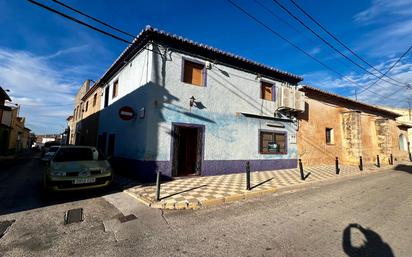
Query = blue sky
x=44 y=58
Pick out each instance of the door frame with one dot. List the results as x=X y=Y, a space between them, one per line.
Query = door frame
x=201 y=146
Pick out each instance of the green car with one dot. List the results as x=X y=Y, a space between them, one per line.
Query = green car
x=77 y=167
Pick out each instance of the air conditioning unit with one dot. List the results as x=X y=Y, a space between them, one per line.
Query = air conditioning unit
x=291 y=99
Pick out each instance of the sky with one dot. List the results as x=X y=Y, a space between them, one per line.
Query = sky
x=45 y=58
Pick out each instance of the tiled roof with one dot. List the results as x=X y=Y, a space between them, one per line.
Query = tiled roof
x=4 y=95
x=205 y=51
x=316 y=91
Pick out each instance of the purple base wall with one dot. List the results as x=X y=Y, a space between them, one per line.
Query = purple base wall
x=146 y=170
x=211 y=167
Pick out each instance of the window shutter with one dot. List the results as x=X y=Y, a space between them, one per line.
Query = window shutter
x=267 y=90
x=193 y=73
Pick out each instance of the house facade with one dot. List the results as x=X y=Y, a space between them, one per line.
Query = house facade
x=78 y=110
x=14 y=136
x=334 y=126
x=183 y=108
x=87 y=126
x=5 y=122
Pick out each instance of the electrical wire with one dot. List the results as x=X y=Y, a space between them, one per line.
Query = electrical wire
x=340 y=42
x=79 y=21
x=328 y=43
x=93 y=18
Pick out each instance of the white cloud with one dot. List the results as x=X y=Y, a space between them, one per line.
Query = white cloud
x=381 y=8
x=44 y=91
x=382 y=93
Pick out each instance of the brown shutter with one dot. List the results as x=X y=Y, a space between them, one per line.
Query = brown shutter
x=193 y=73
x=266 y=91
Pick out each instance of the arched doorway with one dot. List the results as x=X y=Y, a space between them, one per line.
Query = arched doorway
x=403 y=143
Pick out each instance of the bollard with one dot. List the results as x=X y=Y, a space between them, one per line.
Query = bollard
x=391 y=159
x=302 y=175
x=360 y=163
x=158 y=186
x=337 y=165
x=247 y=175
x=378 y=163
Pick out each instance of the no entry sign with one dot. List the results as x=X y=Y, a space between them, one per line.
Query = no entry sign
x=126 y=113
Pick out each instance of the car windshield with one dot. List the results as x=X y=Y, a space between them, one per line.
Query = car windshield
x=75 y=154
x=53 y=149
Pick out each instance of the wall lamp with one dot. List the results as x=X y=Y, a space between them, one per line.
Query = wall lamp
x=192 y=101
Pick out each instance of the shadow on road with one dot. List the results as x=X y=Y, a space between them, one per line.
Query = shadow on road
x=404 y=168
x=373 y=246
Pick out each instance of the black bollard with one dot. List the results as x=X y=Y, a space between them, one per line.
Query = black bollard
x=360 y=163
x=378 y=163
x=337 y=165
x=391 y=158
x=302 y=175
x=158 y=186
x=247 y=175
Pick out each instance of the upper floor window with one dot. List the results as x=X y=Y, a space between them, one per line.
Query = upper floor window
x=115 y=88
x=87 y=106
x=330 y=137
x=272 y=142
x=94 y=99
x=194 y=73
x=267 y=91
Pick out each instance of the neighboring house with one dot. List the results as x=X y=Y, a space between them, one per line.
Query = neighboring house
x=83 y=125
x=405 y=118
x=5 y=122
x=14 y=136
x=19 y=135
x=335 y=126
x=70 y=129
x=78 y=110
x=188 y=108
x=87 y=127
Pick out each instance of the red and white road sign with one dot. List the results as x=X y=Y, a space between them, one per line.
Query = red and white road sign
x=126 y=113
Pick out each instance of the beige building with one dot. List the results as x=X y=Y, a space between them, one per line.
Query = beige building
x=405 y=118
x=334 y=126
x=83 y=125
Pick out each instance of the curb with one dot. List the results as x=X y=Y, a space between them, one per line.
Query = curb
x=196 y=204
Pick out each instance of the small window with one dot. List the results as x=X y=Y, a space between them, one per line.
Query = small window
x=193 y=73
x=267 y=91
x=272 y=142
x=87 y=105
x=330 y=136
x=94 y=99
x=115 y=88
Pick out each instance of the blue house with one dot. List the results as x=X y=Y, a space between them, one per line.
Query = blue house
x=183 y=108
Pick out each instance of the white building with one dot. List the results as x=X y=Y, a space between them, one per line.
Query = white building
x=196 y=109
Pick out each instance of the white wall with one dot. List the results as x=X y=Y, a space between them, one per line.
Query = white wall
x=228 y=91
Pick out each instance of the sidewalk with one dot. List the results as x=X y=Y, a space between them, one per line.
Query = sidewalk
x=194 y=192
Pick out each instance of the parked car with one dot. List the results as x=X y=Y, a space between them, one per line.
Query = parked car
x=50 y=153
x=47 y=146
x=77 y=167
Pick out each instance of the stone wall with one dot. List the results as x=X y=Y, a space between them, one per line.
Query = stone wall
x=352 y=144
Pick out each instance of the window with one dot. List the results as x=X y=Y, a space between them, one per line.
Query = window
x=267 y=91
x=94 y=99
x=330 y=136
x=193 y=73
x=272 y=142
x=115 y=88
x=87 y=105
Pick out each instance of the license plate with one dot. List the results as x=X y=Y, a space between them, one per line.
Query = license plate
x=84 y=180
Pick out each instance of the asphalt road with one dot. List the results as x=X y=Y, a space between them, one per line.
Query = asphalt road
x=359 y=216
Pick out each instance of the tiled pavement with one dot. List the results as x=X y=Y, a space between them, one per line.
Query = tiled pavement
x=194 y=192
